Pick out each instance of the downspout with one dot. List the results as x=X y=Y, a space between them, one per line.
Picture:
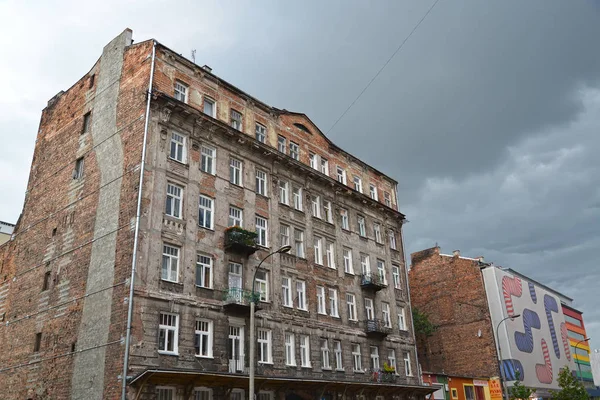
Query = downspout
x=137 y=231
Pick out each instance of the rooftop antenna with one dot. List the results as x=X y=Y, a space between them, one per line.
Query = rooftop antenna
x=194 y=56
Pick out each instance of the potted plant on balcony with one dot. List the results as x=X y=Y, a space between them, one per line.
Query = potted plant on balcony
x=388 y=373
x=238 y=235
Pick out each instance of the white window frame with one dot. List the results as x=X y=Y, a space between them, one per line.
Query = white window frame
x=351 y=303
x=375 y=362
x=330 y=254
x=204 y=263
x=396 y=276
x=290 y=349
x=264 y=338
x=261 y=182
x=365 y=264
x=324 y=166
x=178 y=147
x=262 y=285
x=381 y=272
x=392 y=360
x=297 y=195
x=357 y=183
x=313 y=160
x=206 y=209
x=260 y=132
x=169 y=327
x=377 y=232
x=78 y=171
x=402 y=319
x=392 y=236
x=213 y=103
x=235 y=220
x=305 y=351
x=337 y=352
x=165 y=393
x=328 y=211
x=203 y=393
x=236 y=172
x=407 y=367
x=262 y=231
x=295 y=151
x=170 y=255
x=345 y=219
x=284 y=192
x=356 y=358
x=373 y=192
x=236 y=123
x=369 y=309
x=386 y=314
x=181 y=91
x=333 y=303
x=202 y=335
x=174 y=202
x=286 y=292
x=284 y=235
x=301 y=300
x=282 y=144
x=325 y=362
x=316 y=206
x=348 y=267
x=321 y=307
x=387 y=198
x=341 y=175
x=208 y=160
x=362 y=226
x=299 y=243
x=318 y=250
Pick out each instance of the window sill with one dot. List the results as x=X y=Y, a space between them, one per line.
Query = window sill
x=205 y=357
x=205 y=228
x=306 y=366
x=328 y=369
x=335 y=316
x=302 y=309
x=358 y=372
x=346 y=230
x=264 y=196
x=320 y=313
x=340 y=370
x=204 y=287
x=172 y=282
x=184 y=164
x=168 y=353
x=208 y=173
x=265 y=362
x=291 y=366
x=350 y=273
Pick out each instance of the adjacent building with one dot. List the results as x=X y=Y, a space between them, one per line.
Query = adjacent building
x=6 y=231
x=227 y=181
x=580 y=348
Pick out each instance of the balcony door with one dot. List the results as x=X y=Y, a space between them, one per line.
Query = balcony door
x=370 y=311
x=235 y=281
x=236 y=349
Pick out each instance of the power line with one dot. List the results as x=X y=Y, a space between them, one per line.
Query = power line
x=384 y=65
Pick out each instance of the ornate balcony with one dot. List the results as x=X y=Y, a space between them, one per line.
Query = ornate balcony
x=376 y=328
x=384 y=377
x=238 y=300
x=240 y=241
x=372 y=281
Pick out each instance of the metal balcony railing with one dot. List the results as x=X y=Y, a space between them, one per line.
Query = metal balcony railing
x=237 y=365
x=376 y=327
x=240 y=297
x=372 y=281
x=384 y=377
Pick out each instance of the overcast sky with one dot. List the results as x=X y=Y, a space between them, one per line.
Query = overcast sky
x=489 y=117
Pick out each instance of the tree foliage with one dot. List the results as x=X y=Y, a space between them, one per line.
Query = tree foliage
x=518 y=391
x=423 y=325
x=570 y=387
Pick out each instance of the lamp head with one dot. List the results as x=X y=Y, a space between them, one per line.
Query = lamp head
x=515 y=316
x=284 y=249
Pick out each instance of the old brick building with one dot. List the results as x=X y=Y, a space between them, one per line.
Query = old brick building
x=227 y=180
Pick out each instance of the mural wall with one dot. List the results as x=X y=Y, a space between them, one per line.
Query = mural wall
x=535 y=345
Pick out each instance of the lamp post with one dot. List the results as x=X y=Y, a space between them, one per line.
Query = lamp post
x=578 y=364
x=504 y=387
x=253 y=301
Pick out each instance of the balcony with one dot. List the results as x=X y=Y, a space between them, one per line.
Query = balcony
x=384 y=377
x=376 y=328
x=238 y=300
x=237 y=365
x=372 y=281
x=240 y=241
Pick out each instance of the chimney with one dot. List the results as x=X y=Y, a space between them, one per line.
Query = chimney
x=456 y=253
x=207 y=68
x=480 y=258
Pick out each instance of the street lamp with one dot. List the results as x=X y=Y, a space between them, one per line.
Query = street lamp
x=578 y=364
x=253 y=301
x=504 y=387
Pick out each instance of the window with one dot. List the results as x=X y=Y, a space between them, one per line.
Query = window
x=210 y=107
x=348 y=267
x=330 y=255
x=344 y=216
x=374 y=358
x=369 y=310
x=396 y=276
x=381 y=271
x=235 y=216
x=37 y=344
x=318 y=250
x=236 y=120
x=86 y=122
x=173 y=204
x=392 y=235
x=299 y=242
x=365 y=265
x=203 y=341
x=341 y=175
x=262 y=231
x=325 y=364
x=204 y=268
x=402 y=319
x=181 y=91
x=407 y=368
x=207 y=162
x=316 y=206
x=206 y=211
x=235 y=344
x=305 y=350
x=237 y=394
x=572 y=320
x=392 y=359
x=301 y=295
x=261 y=133
x=78 y=171
x=286 y=292
x=235 y=172
x=281 y=144
x=385 y=311
x=313 y=160
x=165 y=393
x=202 y=394
x=328 y=211
x=170 y=263
x=290 y=349
x=294 y=151
x=283 y=192
x=168 y=332
x=373 y=192
x=377 y=232
x=321 y=300
x=297 y=195
x=333 y=303
x=261 y=182
x=284 y=235
x=262 y=285
x=362 y=230
x=357 y=183
x=387 y=199
x=47 y=278
x=454 y=393
x=265 y=355
x=337 y=352
x=356 y=358
x=324 y=166
x=178 y=148
x=351 y=302
x=92 y=80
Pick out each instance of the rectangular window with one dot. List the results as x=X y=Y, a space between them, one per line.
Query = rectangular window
x=237 y=394
x=351 y=302
x=402 y=319
x=299 y=242
x=324 y=166
x=362 y=229
x=284 y=193
x=165 y=393
x=206 y=211
x=297 y=194
x=377 y=232
x=318 y=250
x=170 y=263
x=392 y=236
x=235 y=216
x=373 y=192
x=281 y=144
x=262 y=285
x=301 y=295
x=385 y=311
x=357 y=183
x=305 y=350
x=86 y=123
x=333 y=303
x=387 y=199
x=208 y=159
x=181 y=91
x=374 y=358
x=174 y=200
x=210 y=107
x=203 y=394
x=337 y=350
x=344 y=217
x=204 y=271
x=286 y=292
x=235 y=172
x=392 y=359
x=330 y=253
x=381 y=271
x=265 y=355
x=284 y=235
x=356 y=357
x=235 y=344
x=348 y=267
x=369 y=309
x=365 y=264
x=313 y=160
x=203 y=341
x=407 y=367
x=261 y=182
x=236 y=120
x=290 y=349
x=37 y=344
x=316 y=206
x=78 y=171
x=178 y=148
x=341 y=175
x=328 y=211
x=294 y=151
x=396 y=276
x=168 y=332
x=46 y=284
x=325 y=364
x=262 y=231
x=572 y=320
x=321 y=300
x=261 y=133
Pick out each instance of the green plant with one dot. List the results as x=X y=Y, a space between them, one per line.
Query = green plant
x=388 y=368
x=423 y=325
x=518 y=391
x=570 y=387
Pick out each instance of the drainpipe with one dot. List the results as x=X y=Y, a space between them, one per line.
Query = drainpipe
x=137 y=231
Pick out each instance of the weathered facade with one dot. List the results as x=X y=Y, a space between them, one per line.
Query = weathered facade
x=227 y=181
